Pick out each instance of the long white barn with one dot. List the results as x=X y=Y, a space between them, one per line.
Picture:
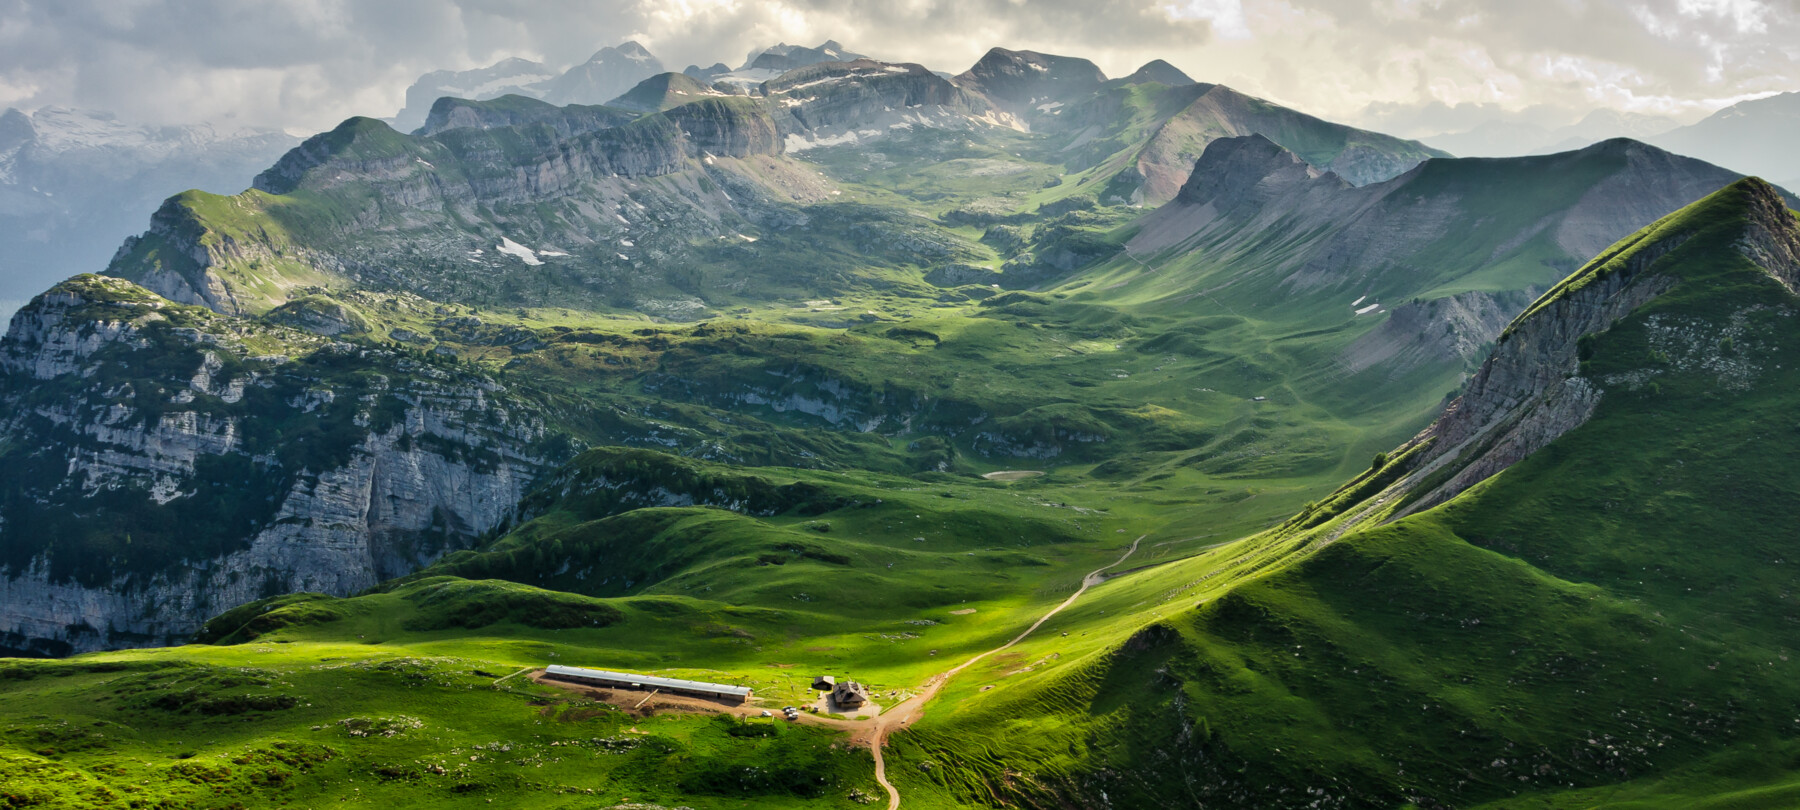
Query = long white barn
x=645 y=683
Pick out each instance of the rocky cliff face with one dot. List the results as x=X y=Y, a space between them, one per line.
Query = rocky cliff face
x=1532 y=390
x=1454 y=328
x=163 y=464
x=518 y=111
x=443 y=201
x=828 y=101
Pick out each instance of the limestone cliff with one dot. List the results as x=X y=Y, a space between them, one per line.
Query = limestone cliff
x=163 y=464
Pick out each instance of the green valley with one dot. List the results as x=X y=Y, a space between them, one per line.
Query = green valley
x=1133 y=442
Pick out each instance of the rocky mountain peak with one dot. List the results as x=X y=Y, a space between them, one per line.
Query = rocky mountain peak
x=661 y=92
x=1160 y=72
x=604 y=76
x=510 y=75
x=357 y=137
x=1232 y=170
x=785 y=57
x=15 y=130
x=630 y=49
x=1022 y=78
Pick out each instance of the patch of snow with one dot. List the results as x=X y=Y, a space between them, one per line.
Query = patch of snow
x=748 y=78
x=1050 y=107
x=549 y=252
x=746 y=238
x=1039 y=68
x=1368 y=309
x=1358 y=302
x=525 y=254
x=622 y=219
x=623 y=257
x=895 y=69
x=626 y=243
x=800 y=143
x=426 y=162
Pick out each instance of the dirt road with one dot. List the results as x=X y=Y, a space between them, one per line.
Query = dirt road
x=908 y=712
x=874 y=731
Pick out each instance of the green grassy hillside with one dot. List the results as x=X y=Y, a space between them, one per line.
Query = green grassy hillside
x=871 y=409
x=1608 y=610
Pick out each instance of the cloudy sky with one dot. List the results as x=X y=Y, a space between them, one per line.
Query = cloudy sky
x=1411 y=66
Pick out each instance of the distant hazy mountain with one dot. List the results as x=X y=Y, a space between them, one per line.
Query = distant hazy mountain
x=785 y=57
x=505 y=77
x=768 y=63
x=75 y=183
x=1753 y=137
x=605 y=75
x=1510 y=139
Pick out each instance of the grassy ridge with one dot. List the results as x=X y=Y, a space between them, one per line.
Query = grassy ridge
x=1612 y=607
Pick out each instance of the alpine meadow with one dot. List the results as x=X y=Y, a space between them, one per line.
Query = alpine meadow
x=837 y=430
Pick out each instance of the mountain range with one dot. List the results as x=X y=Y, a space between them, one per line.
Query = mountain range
x=1748 y=136
x=1511 y=139
x=609 y=72
x=73 y=183
x=1130 y=442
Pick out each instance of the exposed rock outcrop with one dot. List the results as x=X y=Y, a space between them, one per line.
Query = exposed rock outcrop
x=514 y=111
x=785 y=57
x=1531 y=390
x=832 y=102
x=1448 y=329
x=158 y=473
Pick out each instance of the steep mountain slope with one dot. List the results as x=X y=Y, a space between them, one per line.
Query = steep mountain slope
x=1145 y=134
x=1452 y=247
x=1156 y=70
x=1358 y=156
x=344 y=204
x=1608 y=604
x=73 y=183
x=662 y=92
x=1022 y=82
x=835 y=102
x=520 y=111
x=163 y=463
x=1751 y=137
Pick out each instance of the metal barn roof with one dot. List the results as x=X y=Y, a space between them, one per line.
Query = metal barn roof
x=648 y=681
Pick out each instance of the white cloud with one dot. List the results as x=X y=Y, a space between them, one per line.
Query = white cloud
x=306 y=64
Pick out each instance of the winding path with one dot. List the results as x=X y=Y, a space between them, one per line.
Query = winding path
x=875 y=731
x=909 y=711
